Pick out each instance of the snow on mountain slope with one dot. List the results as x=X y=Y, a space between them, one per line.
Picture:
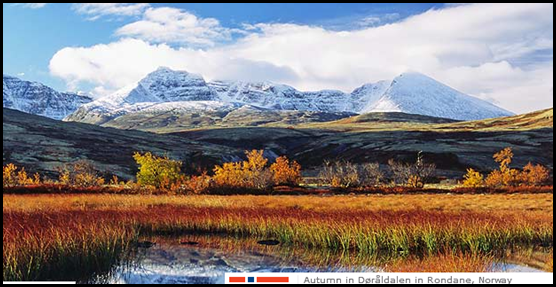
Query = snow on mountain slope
x=282 y=97
x=165 y=85
x=7 y=97
x=409 y=93
x=414 y=93
x=368 y=94
x=38 y=99
x=177 y=89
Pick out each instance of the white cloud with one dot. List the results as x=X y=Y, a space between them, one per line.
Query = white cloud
x=95 y=11
x=32 y=5
x=121 y=63
x=473 y=48
x=171 y=25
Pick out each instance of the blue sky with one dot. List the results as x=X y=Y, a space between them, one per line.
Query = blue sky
x=492 y=51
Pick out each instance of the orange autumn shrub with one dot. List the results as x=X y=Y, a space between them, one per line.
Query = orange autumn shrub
x=534 y=175
x=14 y=176
x=80 y=174
x=285 y=172
x=199 y=184
x=531 y=175
x=250 y=174
x=473 y=179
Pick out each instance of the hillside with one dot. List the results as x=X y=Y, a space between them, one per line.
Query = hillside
x=176 y=120
x=380 y=137
x=42 y=145
x=536 y=120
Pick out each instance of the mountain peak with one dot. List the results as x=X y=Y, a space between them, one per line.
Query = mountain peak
x=165 y=85
x=416 y=93
x=413 y=76
x=36 y=98
x=165 y=74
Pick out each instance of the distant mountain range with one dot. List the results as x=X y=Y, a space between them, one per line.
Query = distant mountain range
x=183 y=93
x=38 y=99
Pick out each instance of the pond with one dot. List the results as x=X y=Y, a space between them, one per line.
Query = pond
x=205 y=260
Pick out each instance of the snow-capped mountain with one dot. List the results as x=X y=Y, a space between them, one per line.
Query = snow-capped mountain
x=415 y=93
x=282 y=97
x=165 y=85
x=164 y=89
x=38 y=99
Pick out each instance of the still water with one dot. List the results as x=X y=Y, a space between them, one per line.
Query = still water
x=205 y=261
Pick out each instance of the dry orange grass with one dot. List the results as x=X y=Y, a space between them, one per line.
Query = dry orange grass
x=550 y=263
x=41 y=232
x=523 y=203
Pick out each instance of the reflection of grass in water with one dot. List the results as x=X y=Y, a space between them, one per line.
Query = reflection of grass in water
x=327 y=260
x=46 y=236
x=540 y=259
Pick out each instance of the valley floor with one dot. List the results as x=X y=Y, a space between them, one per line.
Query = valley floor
x=51 y=234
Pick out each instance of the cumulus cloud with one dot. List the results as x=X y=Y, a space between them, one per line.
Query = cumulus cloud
x=171 y=25
x=95 y=11
x=487 y=50
x=119 y=64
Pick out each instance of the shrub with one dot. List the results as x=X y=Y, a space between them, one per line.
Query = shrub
x=371 y=175
x=505 y=176
x=344 y=174
x=9 y=175
x=531 y=175
x=473 y=179
x=115 y=181
x=415 y=182
x=158 y=172
x=229 y=175
x=285 y=172
x=504 y=158
x=497 y=178
x=534 y=175
x=256 y=173
x=13 y=176
x=80 y=174
x=414 y=175
x=340 y=174
x=250 y=174
x=199 y=184
x=401 y=172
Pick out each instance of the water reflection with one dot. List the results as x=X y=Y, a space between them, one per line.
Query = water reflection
x=205 y=260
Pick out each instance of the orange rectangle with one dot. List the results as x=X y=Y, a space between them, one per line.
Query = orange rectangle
x=237 y=279
x=273 y=280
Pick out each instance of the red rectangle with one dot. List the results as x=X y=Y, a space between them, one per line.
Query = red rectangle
x=273 y=280
x=237 y=279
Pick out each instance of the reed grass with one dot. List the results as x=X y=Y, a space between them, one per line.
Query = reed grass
x=69 y=237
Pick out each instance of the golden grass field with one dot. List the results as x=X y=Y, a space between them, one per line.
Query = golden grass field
x=51 y=234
